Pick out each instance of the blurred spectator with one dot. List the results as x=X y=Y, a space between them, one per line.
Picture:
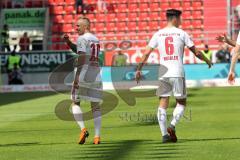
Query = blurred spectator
x=24 y=42
x=5 y=38
x=79 y=6
x=110 y=8
x=12 y=60
x=102 y=6
x=15 y=77
x=207 y=52
x=223 y=54
x=119 y=59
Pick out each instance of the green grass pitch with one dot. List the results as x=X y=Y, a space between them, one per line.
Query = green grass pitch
x=29 y=129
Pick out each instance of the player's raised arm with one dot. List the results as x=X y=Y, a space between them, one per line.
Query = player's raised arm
x=225 y=39
x=142 y=63
x=70 y=44
x=201 y=56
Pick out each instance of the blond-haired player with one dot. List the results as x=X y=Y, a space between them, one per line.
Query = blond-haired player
x=87 y=84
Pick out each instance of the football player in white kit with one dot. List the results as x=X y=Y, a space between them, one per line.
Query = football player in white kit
x=236 y=44
x=87 y=84
x=170 y=42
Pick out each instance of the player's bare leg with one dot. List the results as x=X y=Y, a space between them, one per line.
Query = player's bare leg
x=177 y=114
x=97 y=121
x=162 y=118
x=78 y=116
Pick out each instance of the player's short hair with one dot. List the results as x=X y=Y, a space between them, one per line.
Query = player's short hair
x=173 y=13
x=86 y=20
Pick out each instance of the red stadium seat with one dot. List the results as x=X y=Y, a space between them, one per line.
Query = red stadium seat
x=121 y=16
x=132 y=16
x=111 y=27
x=144 y=16
x=56 y=38
x=132 y=26
x=101 y=17
x=70 y=2
x=143 y=26
x=100 y=26
x=68 y=19
x=121 y=26
x=51 y=2
x=69 y=9
x=122 y=7
x=197 y=5
x=59 y=2
x=197 y=24
x=57 y=10
x=153 y=25
x=163 y=15
x=154 y=16
x=186 y=15
x=154 y=7
x=90 y=16
x=56 y=28
x=67 y=28
x=186 y=5
x=58 y=19
x=176 y=5
x=186 y=24
x=133 y=7
x=111 y=17
x=144 y=7
x=164 y=5
x=197 y=14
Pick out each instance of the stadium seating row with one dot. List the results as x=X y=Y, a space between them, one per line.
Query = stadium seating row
x=132 y=21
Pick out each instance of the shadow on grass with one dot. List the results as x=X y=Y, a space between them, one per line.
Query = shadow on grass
x=8 y=98
x=130 y=149
x=19 y=144
x=32 y=144
x=208 y=139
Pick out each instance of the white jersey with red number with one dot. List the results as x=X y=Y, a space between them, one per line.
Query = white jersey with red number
x=170 y=43
x=238 y=38
x=90 y=45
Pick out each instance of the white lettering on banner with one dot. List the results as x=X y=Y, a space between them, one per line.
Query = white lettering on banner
x=35 y=59
x=26 y=59
x=43 y=59
x=38 y=59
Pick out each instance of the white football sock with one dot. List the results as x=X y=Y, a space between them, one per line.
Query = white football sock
x=177 y=114
x=162 y=120
x=78 y=116
x=97 y=120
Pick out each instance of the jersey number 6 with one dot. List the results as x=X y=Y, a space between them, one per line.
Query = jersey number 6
x=169 y=45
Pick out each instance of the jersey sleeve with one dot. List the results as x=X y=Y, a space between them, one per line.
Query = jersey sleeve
x=238 y=38
x=153 y=42
x=81 y=45
x=188 y=40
